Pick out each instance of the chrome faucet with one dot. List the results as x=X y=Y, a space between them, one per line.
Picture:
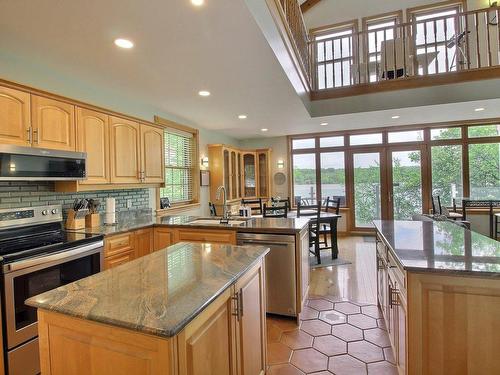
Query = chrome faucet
x=225 y=215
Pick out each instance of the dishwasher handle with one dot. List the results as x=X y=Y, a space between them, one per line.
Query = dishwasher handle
x=263 y=243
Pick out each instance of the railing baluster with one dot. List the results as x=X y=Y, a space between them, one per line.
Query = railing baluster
x=394 y=52
x=341 y=62
x=377 y=75
x=404 y=37
x=426 y=70
x=386 y=74
x=324 y=64
x=477 y=40
x=486 y=22
x=467 y=40
x=436 y=62
x=367 y=57
x=446 y=46
x=498 y=29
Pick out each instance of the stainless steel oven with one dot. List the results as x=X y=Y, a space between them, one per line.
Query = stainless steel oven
x=29 y=277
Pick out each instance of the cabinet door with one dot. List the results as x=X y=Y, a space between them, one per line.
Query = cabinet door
x=401 y=350
x=118 y=260
x=227 y=169
x=251 y=324
x=205 y=345
x=93 y=138
x=124 y=151
x=53 y=124
x=234 y=176
x=163 y=237
x=152 y=154
x=14 y=117
x=144 y=242
x=249 y=177
x=263 y=163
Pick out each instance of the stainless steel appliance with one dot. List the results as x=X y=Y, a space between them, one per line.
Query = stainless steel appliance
x=281 y=288
x=39 y=164
x=37 y=256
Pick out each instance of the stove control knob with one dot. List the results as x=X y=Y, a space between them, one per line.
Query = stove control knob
x=45 y=212
x=54 y=211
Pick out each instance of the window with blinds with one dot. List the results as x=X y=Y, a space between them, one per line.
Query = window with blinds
x=179 y=166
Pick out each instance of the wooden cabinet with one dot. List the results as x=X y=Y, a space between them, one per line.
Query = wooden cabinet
x=205 y=236
x=125 y=151
x=93 y=138
x=264 y=170
x=152 y=154
x=15 y=117
x=53 y=124
x=249 y=175
x=251 y=323
x=119 y=249
x=144 y=240
x=163 y=237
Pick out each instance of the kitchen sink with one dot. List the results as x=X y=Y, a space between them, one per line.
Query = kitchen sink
x=216 y=221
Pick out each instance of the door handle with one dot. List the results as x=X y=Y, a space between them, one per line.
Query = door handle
x=35 y=135
x=29 y=134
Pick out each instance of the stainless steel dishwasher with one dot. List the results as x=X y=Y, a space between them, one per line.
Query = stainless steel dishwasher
x=281 y=278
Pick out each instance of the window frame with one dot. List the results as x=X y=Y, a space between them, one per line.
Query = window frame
x=194 y=202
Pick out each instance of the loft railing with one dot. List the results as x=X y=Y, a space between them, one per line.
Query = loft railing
x=299 y=35
x=460 y=42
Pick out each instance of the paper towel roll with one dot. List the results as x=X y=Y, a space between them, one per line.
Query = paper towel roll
x=110 y=218
x=110 y=205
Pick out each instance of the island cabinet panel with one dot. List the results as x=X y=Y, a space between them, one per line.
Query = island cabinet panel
x=205 y=235
x=77 y=347
x=119 y=249
x=251 y=323
x=302 y=251
x=144 y=241
x=53 y=124
x=453 y=324
x=125 y=151
x=93 y=138
x=163 y=237
x=15 y=117
x=152 y=154
x=205 y=346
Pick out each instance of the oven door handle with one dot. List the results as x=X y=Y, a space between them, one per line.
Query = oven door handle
x=56 y=257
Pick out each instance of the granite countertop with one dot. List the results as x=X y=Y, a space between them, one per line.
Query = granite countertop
x=132 y=220
x=157 y=294
x=440 y=246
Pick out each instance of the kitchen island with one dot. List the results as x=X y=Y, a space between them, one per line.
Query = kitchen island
x=439 y=291
x=187 y=309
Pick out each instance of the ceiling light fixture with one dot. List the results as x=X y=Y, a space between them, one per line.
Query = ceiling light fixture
x=197 y=3
x=124 y=43
x=242 y=117
x=479 y=109
x=204 y=93
x=264 y=130
x=324 y=124
x=395 y=117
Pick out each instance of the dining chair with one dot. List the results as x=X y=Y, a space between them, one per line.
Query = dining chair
x=275 y=211
x=254 y=204
x=497 y=222
x=314 y=212
x=438 y=209
x=331 y=205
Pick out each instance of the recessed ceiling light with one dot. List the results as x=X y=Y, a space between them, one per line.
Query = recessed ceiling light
x=395 y=117
x=204 y=93
x=242 y=117
x=124 y=43
x=479 y=109
x=324 y=124
x=264 y=130
x=197 y=2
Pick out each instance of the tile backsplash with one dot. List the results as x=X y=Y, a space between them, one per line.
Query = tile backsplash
x=25 y=194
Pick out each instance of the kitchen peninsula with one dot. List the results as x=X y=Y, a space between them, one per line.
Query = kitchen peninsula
x=160 y=314
x=439 y=290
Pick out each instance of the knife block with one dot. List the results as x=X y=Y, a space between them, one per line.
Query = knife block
x=92 y=220
x=74 y=220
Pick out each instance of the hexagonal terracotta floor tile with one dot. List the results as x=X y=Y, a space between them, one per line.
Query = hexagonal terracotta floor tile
x=315 y=327
x=347 y=332
x=365 y=351
x=320 y=304
x=273 y=332
x=347 y=308
x=389 y=355
x=330 y=345
x=346 y=365
x=297 y=339
x=286 y=369
x=372 y=311
x=378 y=337
x=332 y=317
x=277 y=353
x=309 y=360
x=308 y=313
x=382 y=368
x=362 y=321
x=283 y=323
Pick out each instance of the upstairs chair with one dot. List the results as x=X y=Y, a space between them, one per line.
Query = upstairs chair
x=254 y=204
x=213 y=210
x=438 y=209
x=276 y=211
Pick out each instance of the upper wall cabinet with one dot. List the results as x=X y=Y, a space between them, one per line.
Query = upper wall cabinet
x=15 y=117
x=152 y=154
x=93 y=138
x=53 y=124
x=125 y=151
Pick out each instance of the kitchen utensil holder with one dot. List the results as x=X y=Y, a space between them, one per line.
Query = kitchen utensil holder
x=76 y=219
x=92 y=220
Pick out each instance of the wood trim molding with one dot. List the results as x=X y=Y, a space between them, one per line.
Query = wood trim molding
x=177 y=209
x=335 y=26
x=398 y=15
x=431 y=7
x=308 y=4
x=409 y=83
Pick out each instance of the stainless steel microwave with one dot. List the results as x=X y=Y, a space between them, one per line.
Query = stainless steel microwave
x=19 y=163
